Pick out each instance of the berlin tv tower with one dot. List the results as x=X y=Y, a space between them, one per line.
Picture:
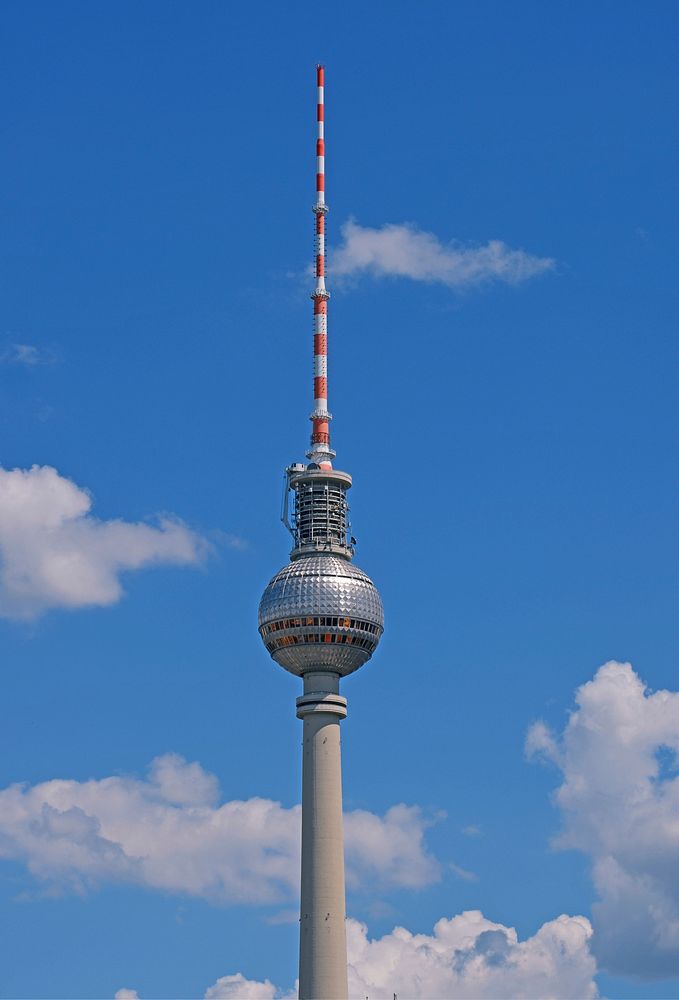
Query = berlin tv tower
x=321 y=618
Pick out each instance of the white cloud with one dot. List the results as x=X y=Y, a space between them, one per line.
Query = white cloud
x=469 y=956
x=407 y=252
x=125 y=994
x=620 y=804
x=239 y=988
x=168 y=832
x=466 y=958
x=55 y=554
x=540 y=742
x=463 y=873
x=26 y=354
x=472 y=830
x=390 y=846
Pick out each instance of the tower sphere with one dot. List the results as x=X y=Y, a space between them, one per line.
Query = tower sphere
x=320 y=612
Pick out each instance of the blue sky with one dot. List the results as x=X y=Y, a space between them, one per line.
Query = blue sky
x=510 y=423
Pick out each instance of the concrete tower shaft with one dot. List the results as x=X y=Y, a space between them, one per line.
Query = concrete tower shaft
x=322 y=920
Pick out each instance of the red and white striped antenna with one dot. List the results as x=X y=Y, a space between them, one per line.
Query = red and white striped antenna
x=320 y=452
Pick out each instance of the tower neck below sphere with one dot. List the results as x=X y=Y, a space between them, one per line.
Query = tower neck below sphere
x=323 y=938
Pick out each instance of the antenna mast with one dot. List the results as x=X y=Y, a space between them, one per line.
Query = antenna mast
x=320 y=452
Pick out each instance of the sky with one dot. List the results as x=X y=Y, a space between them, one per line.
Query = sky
x=503 y=370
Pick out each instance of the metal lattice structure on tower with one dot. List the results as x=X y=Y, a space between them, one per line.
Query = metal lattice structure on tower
x=321 y=618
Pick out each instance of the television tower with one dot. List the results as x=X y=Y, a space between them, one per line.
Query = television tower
x=321 y=618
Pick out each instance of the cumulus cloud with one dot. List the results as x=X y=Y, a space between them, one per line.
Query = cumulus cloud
x=169 y=832
x=466 y=957
x=407 y=252
x=391 y=846
x=55 y=554
x=620 y=805
x=125 y=994
x=239 y=988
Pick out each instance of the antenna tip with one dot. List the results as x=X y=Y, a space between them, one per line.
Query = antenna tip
x=320 y=70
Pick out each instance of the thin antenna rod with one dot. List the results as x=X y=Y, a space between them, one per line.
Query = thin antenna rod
x=321 y=453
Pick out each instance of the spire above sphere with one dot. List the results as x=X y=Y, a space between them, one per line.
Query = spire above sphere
x=320 y=451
